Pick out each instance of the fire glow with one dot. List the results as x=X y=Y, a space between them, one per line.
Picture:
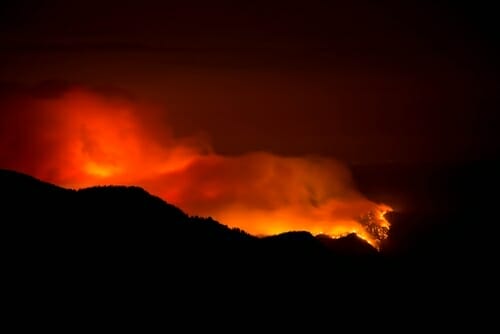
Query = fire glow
x=81 y=139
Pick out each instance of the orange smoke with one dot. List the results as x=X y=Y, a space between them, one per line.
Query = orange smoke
x=80 y=139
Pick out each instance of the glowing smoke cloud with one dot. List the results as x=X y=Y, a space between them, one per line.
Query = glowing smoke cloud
x=80 y=139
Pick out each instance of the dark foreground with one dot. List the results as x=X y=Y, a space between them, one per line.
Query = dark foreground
x=124 y=243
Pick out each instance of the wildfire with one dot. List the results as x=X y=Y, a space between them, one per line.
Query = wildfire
x=81 y=139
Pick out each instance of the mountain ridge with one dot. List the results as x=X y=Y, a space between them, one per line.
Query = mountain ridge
x=109 y=240
x=129 y=219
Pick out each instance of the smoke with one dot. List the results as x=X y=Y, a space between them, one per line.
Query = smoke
x=79 y=138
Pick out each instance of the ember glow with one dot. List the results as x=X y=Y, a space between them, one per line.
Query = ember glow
x=81 y=139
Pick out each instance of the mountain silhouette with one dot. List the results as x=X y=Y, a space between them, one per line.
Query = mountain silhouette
x=123 y=244
x=125 y=224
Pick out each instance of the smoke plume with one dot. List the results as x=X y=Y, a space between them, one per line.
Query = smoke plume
x=78 y=138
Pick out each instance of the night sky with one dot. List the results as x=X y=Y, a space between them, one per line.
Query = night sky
x=374 y=82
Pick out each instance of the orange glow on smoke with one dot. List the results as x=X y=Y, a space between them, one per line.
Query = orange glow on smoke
x=81 y=139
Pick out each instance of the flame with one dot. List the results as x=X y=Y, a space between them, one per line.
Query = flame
x=81 y=139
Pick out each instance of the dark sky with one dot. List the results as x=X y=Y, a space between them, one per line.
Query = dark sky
x=368 y=82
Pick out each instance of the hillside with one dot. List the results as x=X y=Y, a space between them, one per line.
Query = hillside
x=124 y=244
x=118 y=224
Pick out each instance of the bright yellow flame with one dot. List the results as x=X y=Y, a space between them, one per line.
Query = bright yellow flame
x=98 y=170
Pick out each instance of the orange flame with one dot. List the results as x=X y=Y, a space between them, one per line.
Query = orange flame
x=81 y=139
